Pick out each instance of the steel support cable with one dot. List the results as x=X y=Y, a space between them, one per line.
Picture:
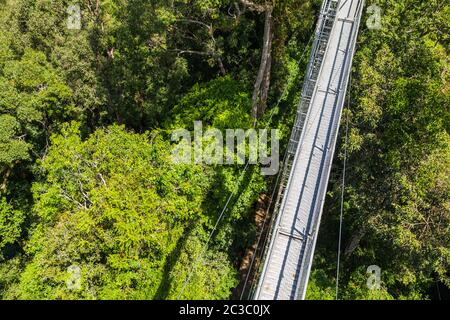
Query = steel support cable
x=262 y=230
x=276 y=182
x=311 y=115
x=308 y=129
x=341 y=218
x=205 y=247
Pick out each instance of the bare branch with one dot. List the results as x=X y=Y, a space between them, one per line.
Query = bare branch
x=209 y=27
x=202 y=53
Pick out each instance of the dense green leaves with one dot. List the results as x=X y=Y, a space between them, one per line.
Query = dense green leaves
x=397 y=195
x=116 y=207
x=88 y=188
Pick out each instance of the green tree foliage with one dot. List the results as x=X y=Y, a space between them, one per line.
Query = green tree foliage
x=116 y=207
x=86 y=179
x=222 y=103
x=219 y=104
x=397 y=193
x=10 y=225
x=13 y=149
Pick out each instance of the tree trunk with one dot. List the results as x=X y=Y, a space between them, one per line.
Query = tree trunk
x=223 y=71
x=266 y=82
x=4 y=184
x=262 y=83
x=354 y=242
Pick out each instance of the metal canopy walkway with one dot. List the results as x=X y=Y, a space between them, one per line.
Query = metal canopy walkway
x=288 y=257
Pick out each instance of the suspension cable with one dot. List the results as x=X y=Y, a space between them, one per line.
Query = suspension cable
x=341 y=218
x=205 y=247
x=274 y=187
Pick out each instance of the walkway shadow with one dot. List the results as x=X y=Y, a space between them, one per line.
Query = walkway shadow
x=164 y=286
